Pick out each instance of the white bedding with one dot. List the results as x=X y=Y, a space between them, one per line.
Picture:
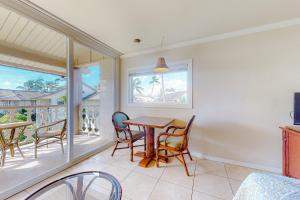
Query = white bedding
x=263 y=186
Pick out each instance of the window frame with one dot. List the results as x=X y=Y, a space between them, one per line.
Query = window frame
x=172 y=65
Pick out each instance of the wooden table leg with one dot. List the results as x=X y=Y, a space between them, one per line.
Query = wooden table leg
x=150 y=142
x=150 y=153
x=3 y=148
x=11 y=145
x=12 y=150
x=2 y=139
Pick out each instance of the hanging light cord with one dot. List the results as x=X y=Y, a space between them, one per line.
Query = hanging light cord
x=162 y=42
x=90 y=55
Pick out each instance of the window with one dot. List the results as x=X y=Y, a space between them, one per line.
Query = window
x=170 y=89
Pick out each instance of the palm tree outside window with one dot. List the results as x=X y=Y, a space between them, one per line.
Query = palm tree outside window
x=147 y=87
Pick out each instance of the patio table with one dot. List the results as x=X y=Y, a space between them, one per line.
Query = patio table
x=12 y=140
x=89 y=185
x=150 y=123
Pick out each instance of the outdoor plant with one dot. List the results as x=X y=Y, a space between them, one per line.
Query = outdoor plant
x=19 y=118
x=62 y=100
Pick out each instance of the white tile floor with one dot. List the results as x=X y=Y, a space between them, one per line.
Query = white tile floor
x=18 y=170
x=209 y=180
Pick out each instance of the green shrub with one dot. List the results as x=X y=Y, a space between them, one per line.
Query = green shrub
x=21 y=117
x=22 y=111
x=62 y=100
x=22 y=136
x=4 y=119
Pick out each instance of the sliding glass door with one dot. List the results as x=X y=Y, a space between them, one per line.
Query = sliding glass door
x=94 y=86
x=56 y=101
x=33 y=102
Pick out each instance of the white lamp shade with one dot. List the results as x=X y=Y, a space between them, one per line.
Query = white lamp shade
x=161 y=66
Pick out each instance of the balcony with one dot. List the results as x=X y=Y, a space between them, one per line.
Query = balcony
x=33 y=88
x=45 y=114
x=50 y=155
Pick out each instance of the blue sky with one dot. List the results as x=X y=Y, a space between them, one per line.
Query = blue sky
x=92 y=78
x=11 y=78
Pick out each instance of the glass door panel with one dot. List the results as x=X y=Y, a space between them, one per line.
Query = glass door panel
x=94 y=83
x=32 y=101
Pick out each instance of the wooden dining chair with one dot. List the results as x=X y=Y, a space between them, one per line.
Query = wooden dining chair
x=175 y=140
x=126 y=135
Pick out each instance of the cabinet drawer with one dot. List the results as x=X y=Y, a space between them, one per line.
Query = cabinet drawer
x=291 y=152
x=294 y=155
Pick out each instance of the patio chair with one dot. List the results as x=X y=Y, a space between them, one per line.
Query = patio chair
x=55 y=130
x=126 y=135
x=175 y=140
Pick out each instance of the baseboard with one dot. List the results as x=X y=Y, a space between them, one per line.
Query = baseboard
x=235 y=162
x=197 y=154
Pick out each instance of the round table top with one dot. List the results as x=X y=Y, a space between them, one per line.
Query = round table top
x=91 y=185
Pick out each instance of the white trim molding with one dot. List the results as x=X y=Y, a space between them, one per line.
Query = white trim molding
x=242 y=32
x=236 y=162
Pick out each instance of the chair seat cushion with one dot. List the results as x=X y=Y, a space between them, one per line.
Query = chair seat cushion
x=136 y=135
x=174 y=142
x=47 y=134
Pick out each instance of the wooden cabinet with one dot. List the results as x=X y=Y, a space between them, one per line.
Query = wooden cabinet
x=291 y=151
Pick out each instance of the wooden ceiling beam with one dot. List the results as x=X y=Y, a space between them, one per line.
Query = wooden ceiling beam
x=32 y=68
x=11 y=51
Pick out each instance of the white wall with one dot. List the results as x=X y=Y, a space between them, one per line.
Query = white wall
x=243 y=91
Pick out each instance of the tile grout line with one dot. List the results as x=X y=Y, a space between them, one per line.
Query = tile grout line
x=211 y=195
x=158 y=179
x=213 y=175
x=176 y=183
x=194 y=179
x=131 y=171
x=228 y=180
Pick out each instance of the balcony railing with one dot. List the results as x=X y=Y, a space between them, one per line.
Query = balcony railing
x=44 y=114
x=89 y=118
x=40 y=115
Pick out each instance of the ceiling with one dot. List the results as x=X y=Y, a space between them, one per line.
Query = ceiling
x=27 y=44
x=19 y=32
x=117 y=22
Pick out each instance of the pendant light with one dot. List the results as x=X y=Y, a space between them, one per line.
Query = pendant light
x=161 y=65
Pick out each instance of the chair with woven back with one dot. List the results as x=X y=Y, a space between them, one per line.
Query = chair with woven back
x=55 y=131
x=175 y=140
x=125 y=135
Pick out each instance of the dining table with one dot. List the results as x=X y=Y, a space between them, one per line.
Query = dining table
x=12 y=140
x=150 y=124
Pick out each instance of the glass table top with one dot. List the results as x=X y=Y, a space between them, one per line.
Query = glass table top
x=92 y=185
